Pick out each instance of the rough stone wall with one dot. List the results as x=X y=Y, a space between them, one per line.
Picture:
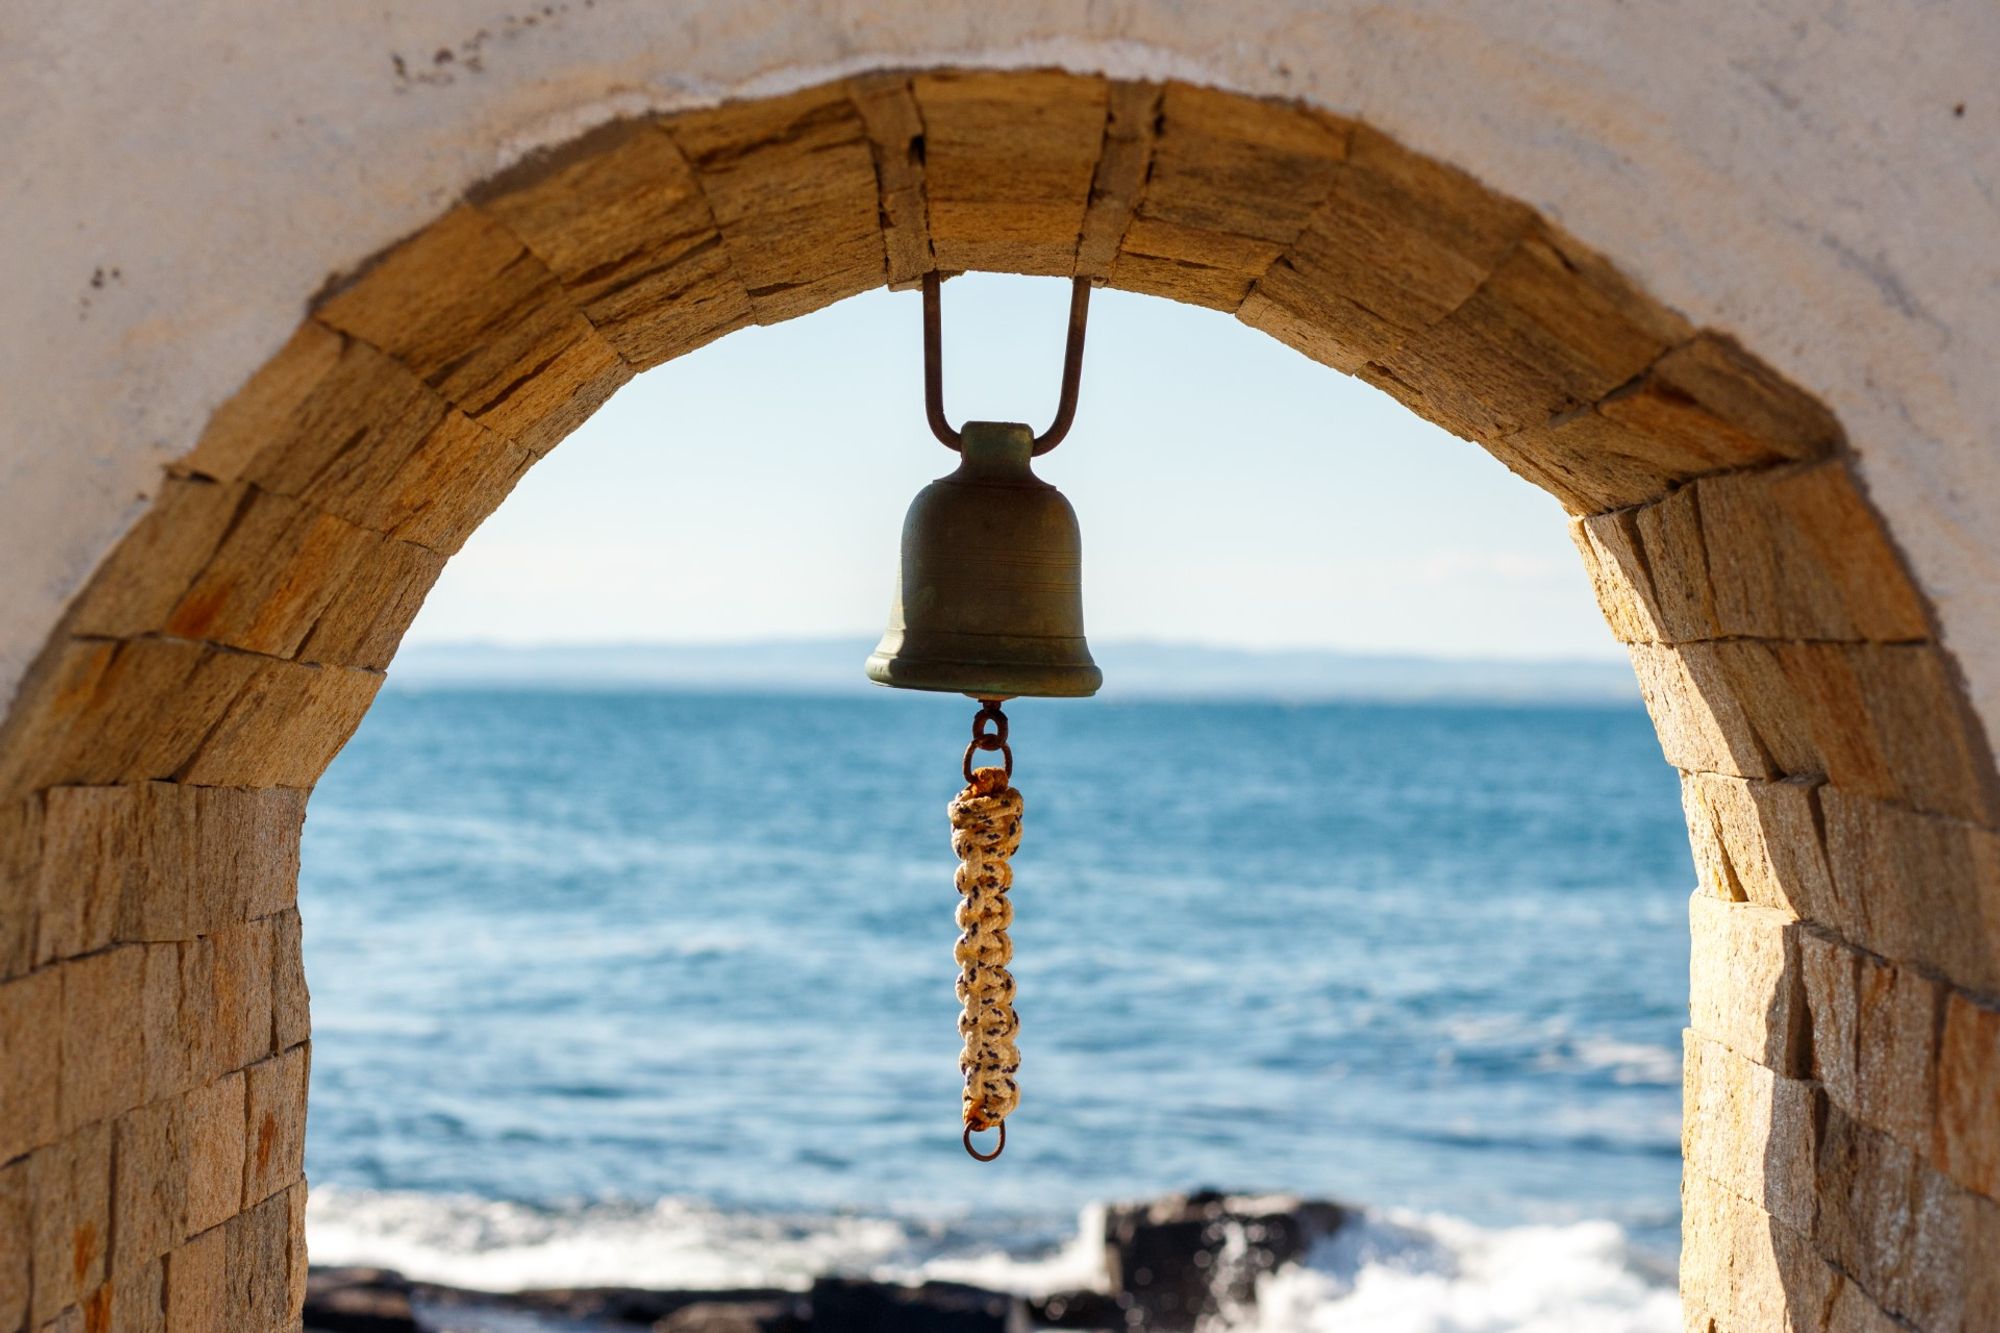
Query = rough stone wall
x=1844 y=1053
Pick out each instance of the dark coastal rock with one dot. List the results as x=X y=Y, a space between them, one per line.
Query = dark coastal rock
x=1079 y=1310
x=358 y=1300
x=784 y=1316
x=1178 y=1260
x=846 y=1305
x=611 y=1307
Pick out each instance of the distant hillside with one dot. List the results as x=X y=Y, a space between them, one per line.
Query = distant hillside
x=1131 y=670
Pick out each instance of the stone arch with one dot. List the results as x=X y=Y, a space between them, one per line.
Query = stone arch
x=1843 y=1155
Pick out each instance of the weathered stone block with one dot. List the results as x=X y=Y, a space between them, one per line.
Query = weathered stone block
x=536 y=369
x=242 y=1023
x=1746 y=1268
x=275 y=1138
x=207 y=1056
x=1615 y=560
x=283 y=726
x=139 y=1300
x=888 y=108
x=30 y=1061
x=1751 y=1130
x=1132 y=111
x=165 y=1037
x=258 y=1262
x=17 y=1242
x=791 y=183
x=1831 y=971
x=1710 y=399
x=1899 y=1228
x=20 y=884
x=197 y=1285
x=1670 y=530
x=1759 y=842
x=103 y=1021
x=212 y=1131
x=1968 y=1095
x=1744 y=986
x=149 y=1186
x=620 y=219
x=262 y=410
x=290 y=1001
x=1926 y=888
x=88 y=846
x=1896 y=1021
x=373 y=601
x=1697 y=708
x=70 y=1185
x=295 y=1244
x=1008 y=163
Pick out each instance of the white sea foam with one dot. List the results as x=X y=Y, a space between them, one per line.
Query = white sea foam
x=1385 y=1272
x=1396 y=1272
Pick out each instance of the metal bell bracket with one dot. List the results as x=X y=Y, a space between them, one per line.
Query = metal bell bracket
x=1072 y=376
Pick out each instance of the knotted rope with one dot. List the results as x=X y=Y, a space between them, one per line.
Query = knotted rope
x=985 y=831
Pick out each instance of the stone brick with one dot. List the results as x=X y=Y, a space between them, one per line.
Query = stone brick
x=164 y=1037
x=17 y=1243
x=1899 y=1228
x=1751 y=1130
x=1008 y=163
x=895 y=125
x=791 y=183
x=30 y=1061
x=295 y=1210
x=1759 y=842
x=1132 y=110
x=373 y=602
x=208 y=1053
x=198 y=1286
x=1697 y=709
x=1552 y=330
x=258 y=413
x=1831 y=971
x=114 y=712
x=1926 y=888
x=258 y=1264
x=479 y=319
x=291 y=1003
x=1968 y=1095
x=139 y=1300
x=1711 y=396
x=283 y=726
x=1853 y=1312
x=248 y=851
x=135 y=590
x=1796 y=553
x=1230 y=188
x=88 y=850
x=103 y=1022
x=1401 y=241
x=620 y=219
x=1670 y=531
x=1750 y=1271
x=70 y=1185
x=368 y=441
x=1744 y=986
x=149 y=1185
x=160 y=865
x=275 y=1137
x=243 y=1016
x=1896 y=1021
x=20 y=885
x=1616 y=563
x=213 y=1135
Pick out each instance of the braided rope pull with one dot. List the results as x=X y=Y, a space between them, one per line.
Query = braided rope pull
x=985 y=831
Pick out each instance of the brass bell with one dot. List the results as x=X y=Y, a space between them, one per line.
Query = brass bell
x=990 y=598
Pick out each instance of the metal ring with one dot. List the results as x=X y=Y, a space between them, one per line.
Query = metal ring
x=1006 y=759
x=998 y=1148
x=1072 y=375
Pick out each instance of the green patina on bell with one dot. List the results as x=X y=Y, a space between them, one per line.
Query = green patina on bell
x=990 y=598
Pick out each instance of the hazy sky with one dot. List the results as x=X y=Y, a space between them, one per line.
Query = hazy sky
x=1230 y=491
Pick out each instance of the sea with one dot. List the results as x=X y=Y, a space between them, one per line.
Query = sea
x=654 y=988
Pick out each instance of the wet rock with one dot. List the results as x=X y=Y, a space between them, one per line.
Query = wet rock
x=844 y=1305
x=1178 y=1260
x=358 y=1300
x=1078 y=1309
x=782 y=1316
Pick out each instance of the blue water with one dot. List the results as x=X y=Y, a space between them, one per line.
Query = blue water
x=585 y=955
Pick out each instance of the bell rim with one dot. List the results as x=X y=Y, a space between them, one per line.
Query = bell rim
x=977 y=679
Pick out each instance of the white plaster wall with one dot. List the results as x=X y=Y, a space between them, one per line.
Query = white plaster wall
x=179 y=179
